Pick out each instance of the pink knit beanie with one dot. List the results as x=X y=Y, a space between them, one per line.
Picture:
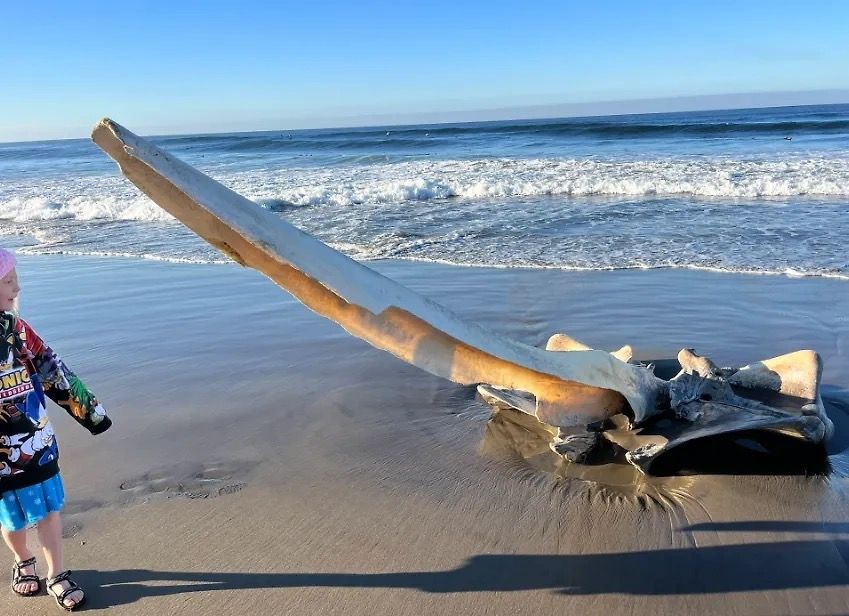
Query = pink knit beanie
x=7 y=262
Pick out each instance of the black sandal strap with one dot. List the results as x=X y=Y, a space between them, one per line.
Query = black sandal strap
x=73 y=588
x=25 y=578
x=25 y=563
x=65 y=576
x=19 y=578
x=60 y=577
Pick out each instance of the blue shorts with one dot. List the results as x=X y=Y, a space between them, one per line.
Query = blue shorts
x=27 y=506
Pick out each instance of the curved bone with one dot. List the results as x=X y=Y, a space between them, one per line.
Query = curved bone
x=370 y=306
x=691 y=363
x=794 y=374
x=564 y=342
x=554 y=413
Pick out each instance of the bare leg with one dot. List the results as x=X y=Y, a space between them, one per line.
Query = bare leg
x=50 y=535
x=17 y=542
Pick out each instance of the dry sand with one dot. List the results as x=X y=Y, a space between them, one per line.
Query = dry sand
x=262 y=461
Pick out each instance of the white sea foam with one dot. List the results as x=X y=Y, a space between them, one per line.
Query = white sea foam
x=40 y=250
x=82 y=207
x=77 y=198
x=108 y=198
x=788 y=272
x=721 y=214
x=506 y=178
x=364 y=253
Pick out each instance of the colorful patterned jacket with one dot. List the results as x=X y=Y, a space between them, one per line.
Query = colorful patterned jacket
x=29 y=369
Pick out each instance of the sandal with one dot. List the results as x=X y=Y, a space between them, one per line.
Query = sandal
x=20 y=578
x=61 y=595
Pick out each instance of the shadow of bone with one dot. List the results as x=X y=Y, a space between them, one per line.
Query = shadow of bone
x=836 y=402
x=707 y=570
x=752 y=452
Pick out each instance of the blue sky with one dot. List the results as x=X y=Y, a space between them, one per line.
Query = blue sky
x=181 y=67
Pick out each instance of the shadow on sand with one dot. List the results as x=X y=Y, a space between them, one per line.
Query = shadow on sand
x=708 y=570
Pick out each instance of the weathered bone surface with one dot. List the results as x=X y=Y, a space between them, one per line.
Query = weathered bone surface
x=704 y=403
x=595 y=398
x=705 y=400
x=789 y=384
x=600 y=398
x=572 y=388
x=795 y=374
x=564 y=342
x=567 y=388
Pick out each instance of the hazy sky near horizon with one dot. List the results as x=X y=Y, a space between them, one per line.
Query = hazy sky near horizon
x=214 y=66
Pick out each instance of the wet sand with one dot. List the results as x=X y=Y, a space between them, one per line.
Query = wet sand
x=264 y=461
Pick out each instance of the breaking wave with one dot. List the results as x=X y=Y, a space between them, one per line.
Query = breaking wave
x=747 y=191
x=82 y=207
x=283 y=190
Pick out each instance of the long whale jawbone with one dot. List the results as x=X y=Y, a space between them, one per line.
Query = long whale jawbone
x=571 y=387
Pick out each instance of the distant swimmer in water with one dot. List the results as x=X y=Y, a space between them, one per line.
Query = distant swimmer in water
x=788 y=139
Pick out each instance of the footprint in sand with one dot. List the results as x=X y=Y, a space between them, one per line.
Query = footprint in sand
x=188 y=481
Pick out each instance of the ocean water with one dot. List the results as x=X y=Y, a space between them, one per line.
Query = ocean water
x=757 y=190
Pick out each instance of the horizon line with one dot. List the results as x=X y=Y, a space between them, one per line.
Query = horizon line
x=541 y=111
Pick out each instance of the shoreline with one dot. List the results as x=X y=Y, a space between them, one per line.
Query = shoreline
x=377 y=262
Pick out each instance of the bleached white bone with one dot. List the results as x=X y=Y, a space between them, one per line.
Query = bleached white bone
x=565 y=342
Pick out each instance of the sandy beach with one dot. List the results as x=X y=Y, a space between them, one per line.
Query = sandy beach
x=263 y=461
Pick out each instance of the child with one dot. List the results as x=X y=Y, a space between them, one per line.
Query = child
x=30 y=487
